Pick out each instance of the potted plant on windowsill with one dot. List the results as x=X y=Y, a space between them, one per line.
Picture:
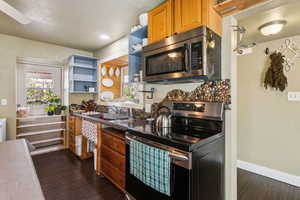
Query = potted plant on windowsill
x=50 y=110
x=58 y=107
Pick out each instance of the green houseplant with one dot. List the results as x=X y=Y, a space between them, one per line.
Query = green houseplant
x=50 y=109
x=55 y=102
x=59 y=109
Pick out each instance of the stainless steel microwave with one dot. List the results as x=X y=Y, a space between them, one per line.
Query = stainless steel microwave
x=183 y=57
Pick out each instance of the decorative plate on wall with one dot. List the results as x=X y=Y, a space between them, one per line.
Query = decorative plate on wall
x=107 y=95
x=117 y=72
x=103 y=70
x=107 y=82
x=111 y=71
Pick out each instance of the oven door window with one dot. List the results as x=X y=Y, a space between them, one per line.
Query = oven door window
x=197 y=56
x=166 y=62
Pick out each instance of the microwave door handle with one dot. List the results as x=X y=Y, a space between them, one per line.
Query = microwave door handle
x=186 y=57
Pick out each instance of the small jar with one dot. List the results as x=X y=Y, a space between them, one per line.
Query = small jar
x=136 y=78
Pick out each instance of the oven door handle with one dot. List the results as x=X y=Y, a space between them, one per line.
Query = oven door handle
x=173 y=153
x=183 y=159
x=178 y=156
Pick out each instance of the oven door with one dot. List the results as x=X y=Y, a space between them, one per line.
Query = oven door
x=180 y=175
x=167 y=63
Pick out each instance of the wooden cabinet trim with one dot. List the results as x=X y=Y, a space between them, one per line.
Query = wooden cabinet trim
x=230 y=7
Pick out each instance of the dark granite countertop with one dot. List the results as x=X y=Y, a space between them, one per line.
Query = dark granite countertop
x=145 y=129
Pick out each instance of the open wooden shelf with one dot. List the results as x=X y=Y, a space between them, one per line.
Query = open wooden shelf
x=45 y=133
x=40 y=124
x=39 y=132
x=83 y=73
x=47 y=149
x=47 y=140
x=39 y=117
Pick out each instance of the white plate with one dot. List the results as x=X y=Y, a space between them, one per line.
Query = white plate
x=107 y=82
x=117 y=72
x=111 y=71
x=103 y=71
x=107 y=95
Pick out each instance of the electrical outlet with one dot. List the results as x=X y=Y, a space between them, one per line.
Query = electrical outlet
x=148 y=108
x=3 y=102
x=293 y=96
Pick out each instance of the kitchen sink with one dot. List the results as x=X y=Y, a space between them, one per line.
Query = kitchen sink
x=109 y=116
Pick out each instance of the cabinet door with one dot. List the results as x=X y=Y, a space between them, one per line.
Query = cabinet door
x=210 y=17
x=160 y=22
x=188 y=15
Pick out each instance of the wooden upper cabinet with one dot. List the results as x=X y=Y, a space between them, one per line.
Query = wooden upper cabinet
x=160 y=22
x=188 y=15
x=211 y=18
x=182 y=16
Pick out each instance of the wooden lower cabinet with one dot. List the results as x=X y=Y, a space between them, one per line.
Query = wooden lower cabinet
x=113 y=174
x=75 y=131
x=112 y=156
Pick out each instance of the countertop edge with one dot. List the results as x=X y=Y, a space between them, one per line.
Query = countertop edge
x=20 y=172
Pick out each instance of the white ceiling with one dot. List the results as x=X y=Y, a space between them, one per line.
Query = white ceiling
x=75 y=23
x=289 y=12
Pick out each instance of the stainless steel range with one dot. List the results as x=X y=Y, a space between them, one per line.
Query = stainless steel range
x=195 y=143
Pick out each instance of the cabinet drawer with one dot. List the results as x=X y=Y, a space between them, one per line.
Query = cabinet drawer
x=72 y=147
x=71 y=139
x=113 y=174
x=71 y=125
x=72 y=130
x=71 y=119
x=114 y=143
x=115 y=159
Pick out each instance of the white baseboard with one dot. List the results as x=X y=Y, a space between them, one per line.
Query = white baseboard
x=271 y=173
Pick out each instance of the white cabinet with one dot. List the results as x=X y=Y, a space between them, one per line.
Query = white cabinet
x=2 y=130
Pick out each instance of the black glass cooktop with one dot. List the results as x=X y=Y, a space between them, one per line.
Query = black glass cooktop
x=186 y=140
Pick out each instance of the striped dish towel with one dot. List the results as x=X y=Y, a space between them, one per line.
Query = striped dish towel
x=151 y=166
x=89 y=130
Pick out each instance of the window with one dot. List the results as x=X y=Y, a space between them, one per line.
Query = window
x=39 y=88
x=36 y=84
x=125 y=83
x=131 y=90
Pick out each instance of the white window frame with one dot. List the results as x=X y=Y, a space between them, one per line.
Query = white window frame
x=35 y=64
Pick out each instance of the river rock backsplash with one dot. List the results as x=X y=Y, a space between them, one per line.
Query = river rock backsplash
x=209 y=91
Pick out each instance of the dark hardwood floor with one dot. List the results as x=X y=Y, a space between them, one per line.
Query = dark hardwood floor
x=64 y=177
x=255 y=187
